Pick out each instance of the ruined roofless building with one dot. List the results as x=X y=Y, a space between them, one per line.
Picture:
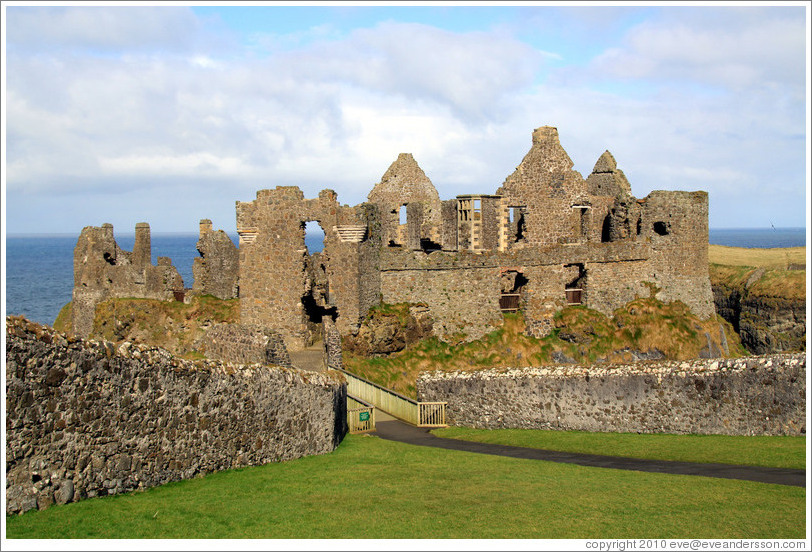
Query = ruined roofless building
x=102 y=270
x=545 y=239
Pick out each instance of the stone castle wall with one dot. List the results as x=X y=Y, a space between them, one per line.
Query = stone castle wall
x=745 y=396
x=675 y=225
x=274 y=261
x=85 y=419
x=462 y=302
x=551 y=229
x=217 y=271
x=245 y=344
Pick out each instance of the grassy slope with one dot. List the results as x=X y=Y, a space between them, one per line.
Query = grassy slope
x=777 y=452
x=733 y=267
x=172 y=325
x=583 y=334
x=372 y=488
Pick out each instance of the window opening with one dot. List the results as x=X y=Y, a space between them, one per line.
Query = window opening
x=606 y=229
x=521 y=226
x=512 y=284
x=584 y=224
x=314 y=237
x=661 y=228
x=639 y=225
x=402 y=218
x=575 y=290
x=428 y=246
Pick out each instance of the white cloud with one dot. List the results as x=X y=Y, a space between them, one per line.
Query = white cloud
x=736 y=48
x=335 y=113
x=468 y=72
x=101 y=28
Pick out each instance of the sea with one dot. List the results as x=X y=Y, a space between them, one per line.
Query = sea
x=39 y=268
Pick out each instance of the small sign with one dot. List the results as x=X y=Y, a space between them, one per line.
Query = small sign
x=363 y=416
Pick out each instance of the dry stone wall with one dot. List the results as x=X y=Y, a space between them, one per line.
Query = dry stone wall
x=746 y=396
x=85 y=419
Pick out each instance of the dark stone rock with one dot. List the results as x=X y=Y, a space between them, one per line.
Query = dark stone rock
x=65 y=493
x=55 y=376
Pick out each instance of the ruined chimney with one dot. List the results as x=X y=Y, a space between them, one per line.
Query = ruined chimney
x=545 y=134
x=205 y=227
x=142 y=251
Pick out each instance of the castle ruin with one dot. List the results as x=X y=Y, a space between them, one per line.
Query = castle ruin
x=545 y=239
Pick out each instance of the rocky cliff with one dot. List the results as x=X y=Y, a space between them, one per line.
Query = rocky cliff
x=765 y=306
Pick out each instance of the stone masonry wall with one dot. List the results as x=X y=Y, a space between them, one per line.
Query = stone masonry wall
x=405 y=183
x=675 y=225
x=746 y=396
x=461 y=301
x=245 y=344
x=546 y=184
x=273 y=261
x=85 y=419
x=217 y=271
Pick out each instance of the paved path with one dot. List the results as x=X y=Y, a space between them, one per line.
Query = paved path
x=395 y=430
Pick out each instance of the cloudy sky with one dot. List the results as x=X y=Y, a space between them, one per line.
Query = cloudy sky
x=170 y=114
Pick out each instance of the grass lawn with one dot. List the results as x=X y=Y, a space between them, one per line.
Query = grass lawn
x=777 y=452
x=372 y=488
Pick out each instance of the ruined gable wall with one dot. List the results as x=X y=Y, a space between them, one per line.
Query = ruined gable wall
x=745 y=396
x=88 y=419
x=404 y=182
x=545 y=183
x=102 y=270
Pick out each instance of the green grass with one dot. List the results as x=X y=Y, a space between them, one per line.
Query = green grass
x=372 y=488
x=772 y=451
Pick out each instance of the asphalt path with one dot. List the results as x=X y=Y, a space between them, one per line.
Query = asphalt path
x=394 y=430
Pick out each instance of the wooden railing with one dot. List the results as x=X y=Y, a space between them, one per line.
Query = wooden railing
x=360 y=415
x=428 y=414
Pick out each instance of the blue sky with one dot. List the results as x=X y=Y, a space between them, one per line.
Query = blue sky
x=170 y=114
